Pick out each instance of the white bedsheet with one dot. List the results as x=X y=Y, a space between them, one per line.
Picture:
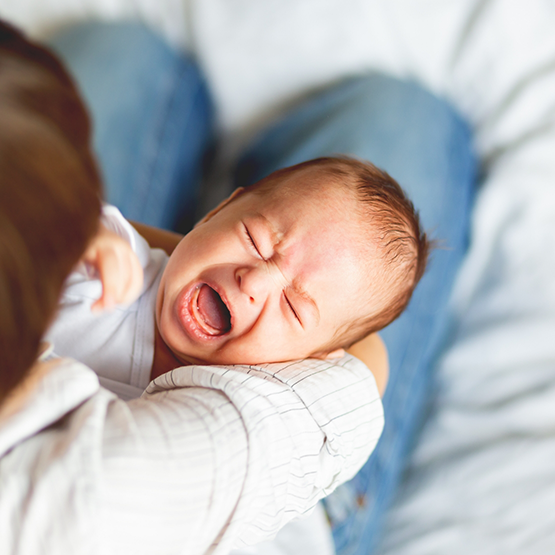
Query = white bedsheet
x=482 y=479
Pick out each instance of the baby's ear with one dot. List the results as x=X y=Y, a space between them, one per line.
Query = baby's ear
x=337 y=353
x=238 y=192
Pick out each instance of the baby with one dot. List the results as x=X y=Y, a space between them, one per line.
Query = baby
x=302 y=264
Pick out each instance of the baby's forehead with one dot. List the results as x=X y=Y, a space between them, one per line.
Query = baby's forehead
x=303 y=189
x=316 y=205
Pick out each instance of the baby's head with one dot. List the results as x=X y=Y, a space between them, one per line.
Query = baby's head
x=303 y=263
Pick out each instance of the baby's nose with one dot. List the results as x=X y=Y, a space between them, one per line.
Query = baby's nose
x=256 y=282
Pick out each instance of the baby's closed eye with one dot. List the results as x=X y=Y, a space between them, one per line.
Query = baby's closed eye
x=250 y=240
x=291 y=307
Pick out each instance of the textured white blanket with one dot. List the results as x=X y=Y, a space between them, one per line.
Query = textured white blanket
x=482 y=479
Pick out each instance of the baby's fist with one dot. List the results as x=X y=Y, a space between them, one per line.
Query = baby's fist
x=117 y=267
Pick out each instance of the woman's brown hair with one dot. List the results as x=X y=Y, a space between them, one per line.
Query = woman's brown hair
x=49 y=195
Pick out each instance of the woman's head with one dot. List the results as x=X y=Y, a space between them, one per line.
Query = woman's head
x=49 y=195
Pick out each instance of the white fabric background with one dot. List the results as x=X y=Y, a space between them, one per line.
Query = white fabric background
x=482 y=479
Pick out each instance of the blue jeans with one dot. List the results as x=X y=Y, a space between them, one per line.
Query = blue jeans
x=153 y=126
x=425 y=145
x=152 y=115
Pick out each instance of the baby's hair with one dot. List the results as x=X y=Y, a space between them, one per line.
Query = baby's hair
x=49 y=195
x=390 y=217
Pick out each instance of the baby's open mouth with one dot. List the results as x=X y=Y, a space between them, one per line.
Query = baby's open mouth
x=210 y=311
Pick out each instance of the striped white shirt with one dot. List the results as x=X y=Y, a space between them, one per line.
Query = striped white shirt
x=207 y=459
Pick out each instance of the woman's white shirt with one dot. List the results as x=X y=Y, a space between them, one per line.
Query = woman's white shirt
x=207 y=459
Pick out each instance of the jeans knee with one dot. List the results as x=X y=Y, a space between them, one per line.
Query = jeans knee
x=122 y=45
x=399 y=103
x=107 y=36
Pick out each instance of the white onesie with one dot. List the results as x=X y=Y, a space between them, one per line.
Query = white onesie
x=117 y=345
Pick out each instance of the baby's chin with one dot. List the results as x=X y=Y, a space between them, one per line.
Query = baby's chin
x=236 y=358
x=239 y=355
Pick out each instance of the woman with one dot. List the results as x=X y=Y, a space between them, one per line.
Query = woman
x=189 y=467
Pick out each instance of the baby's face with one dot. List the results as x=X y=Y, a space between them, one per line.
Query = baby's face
x=268 y=278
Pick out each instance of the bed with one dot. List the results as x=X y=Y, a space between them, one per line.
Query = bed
x=482 y=477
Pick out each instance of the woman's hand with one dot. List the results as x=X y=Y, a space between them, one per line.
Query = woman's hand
x=117 y=267
x=372 y=351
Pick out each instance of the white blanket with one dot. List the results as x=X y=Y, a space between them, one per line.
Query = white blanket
x=482 y=479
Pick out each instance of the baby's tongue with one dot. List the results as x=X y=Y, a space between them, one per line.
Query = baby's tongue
x=213 y=310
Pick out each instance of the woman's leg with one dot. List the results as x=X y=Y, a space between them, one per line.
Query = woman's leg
x=425 y=145
x=152 y=116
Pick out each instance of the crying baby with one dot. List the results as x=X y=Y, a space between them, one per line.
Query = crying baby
x=302 y=264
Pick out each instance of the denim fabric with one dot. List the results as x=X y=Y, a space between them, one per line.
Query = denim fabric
x=153 y=119
x=424 y=144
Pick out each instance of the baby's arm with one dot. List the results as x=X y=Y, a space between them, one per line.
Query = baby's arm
x=118 y=268
x=372 y=351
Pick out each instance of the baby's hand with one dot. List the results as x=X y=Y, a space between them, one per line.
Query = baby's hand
x=118 y=269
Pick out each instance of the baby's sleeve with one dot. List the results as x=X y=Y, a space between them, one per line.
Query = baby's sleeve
x=113 y=220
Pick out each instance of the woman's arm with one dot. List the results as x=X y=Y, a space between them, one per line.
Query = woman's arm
x=372 y=351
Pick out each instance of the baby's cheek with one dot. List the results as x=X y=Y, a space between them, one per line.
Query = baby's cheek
x=269 y=341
